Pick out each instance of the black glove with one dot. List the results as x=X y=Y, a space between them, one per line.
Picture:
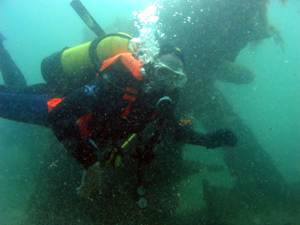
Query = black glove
x=222 y=137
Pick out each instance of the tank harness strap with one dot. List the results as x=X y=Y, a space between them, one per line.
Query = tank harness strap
x=93 y=51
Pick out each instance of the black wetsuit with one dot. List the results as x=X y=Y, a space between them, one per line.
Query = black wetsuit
x=103 y=100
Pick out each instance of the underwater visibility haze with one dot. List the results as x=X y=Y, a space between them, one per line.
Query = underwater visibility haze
x=242 y=60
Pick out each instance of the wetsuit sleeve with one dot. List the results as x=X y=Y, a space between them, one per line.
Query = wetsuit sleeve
x=222 y=137
x=186 y=134
x=95 y=97
x=24 y=107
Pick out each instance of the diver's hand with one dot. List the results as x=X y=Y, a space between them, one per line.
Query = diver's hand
x=222 y=137
x=90 y=181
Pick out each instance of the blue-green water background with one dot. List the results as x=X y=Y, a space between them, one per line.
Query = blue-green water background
x=270 y=105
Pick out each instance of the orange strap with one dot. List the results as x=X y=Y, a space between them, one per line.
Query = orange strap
x=129 y=96
x=128 y=60
x=53 y=102
x=83 y=124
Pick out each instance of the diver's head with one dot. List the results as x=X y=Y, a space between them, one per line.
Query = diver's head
x=166 y=71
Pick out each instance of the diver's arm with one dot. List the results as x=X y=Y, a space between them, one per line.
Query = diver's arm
x=80 y=102
x=187 y=134
x=222 y=137
x=64 y=117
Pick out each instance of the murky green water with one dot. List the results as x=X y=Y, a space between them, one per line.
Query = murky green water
x=269 y=106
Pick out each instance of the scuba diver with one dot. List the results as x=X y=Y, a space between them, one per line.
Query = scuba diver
x=100 y=95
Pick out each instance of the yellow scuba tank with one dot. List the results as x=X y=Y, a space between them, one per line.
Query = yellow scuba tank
x=76 y=66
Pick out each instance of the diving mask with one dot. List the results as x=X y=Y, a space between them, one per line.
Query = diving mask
x=168 y=71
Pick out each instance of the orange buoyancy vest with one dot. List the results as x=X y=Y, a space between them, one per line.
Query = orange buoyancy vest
x=133 y=66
